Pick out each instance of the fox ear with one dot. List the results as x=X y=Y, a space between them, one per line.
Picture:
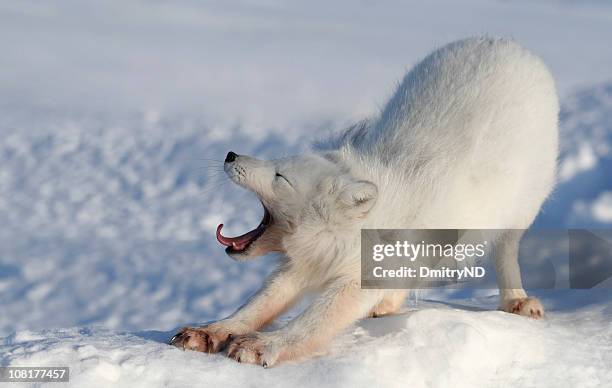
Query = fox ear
x=357 y=198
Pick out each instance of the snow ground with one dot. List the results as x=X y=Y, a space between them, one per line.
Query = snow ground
x=457 y=344
x=114 y=117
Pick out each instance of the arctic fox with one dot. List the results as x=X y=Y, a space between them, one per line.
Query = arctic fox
x=468 y=141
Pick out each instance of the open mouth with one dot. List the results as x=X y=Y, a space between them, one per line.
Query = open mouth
x=241 y=243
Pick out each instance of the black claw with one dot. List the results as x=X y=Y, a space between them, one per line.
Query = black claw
x=176 y=338
x=209 y=343
x=265 y=365
x=239 y=359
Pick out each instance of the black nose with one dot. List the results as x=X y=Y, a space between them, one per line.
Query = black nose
x=231 y=156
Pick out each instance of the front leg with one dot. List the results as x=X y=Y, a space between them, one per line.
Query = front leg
x=341 y=304
x=279 y=293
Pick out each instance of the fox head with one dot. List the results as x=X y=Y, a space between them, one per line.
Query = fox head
x=305 y=197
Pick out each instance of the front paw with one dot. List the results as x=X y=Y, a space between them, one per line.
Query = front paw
x=208 y=339
x=253 y=348
x=528 y=307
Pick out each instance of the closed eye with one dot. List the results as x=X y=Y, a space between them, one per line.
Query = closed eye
x=281 y=176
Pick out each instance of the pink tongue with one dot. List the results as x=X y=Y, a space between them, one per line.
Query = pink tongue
x=237 y=243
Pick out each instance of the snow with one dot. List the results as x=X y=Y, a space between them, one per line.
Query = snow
x=580 y=199
x=602 y=207
x=267 y=63
x=460 y=344
x=115 y=117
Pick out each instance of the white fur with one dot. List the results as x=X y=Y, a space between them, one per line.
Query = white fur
x=468 y=141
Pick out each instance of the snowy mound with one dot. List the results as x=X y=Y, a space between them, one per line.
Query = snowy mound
x=583 y=197
x=455 y=345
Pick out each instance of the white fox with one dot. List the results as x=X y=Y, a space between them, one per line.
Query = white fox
x=468 y=141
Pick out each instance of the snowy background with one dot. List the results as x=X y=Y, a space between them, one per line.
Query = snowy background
x=115 y=116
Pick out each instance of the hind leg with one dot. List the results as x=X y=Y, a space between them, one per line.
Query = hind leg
x=513 y=298
x=390 y=304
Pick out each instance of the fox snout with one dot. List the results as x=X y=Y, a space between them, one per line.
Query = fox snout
x=250 y=173
x=231 y=156
x=236 y=168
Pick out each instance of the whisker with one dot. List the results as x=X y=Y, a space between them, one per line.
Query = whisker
x=211 y=160
x=213 y=166
x=215 y=173
x=216 y=178
x=213 y=188
x=210 y=169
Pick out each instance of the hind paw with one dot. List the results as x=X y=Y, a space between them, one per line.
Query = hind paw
x=528 y=307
